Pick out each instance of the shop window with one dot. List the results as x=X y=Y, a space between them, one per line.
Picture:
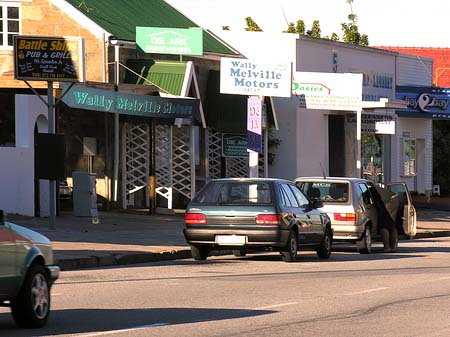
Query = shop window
x=9 y=24
x=7 y=120
x=409 y=157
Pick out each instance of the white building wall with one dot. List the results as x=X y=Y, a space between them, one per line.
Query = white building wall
x=17 y=178
x=284 y=165
x=318 y=56
x=414 y=71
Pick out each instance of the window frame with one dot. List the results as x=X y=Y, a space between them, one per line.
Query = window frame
x=5 y=5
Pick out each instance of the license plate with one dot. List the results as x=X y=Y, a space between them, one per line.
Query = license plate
x=231 y=239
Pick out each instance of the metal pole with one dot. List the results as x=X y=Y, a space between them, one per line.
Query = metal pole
x=116 y=126
x=51 y=130
x=358 y=142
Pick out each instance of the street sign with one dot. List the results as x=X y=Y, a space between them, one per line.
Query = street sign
x=157 y=40
x=81 y=97
x=254 y=124
x=234 y=145
x=247 y=77
x=48 y=58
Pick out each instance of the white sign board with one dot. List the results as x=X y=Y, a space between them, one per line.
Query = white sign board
x=247 y=77
x=385 y=127
x=328 y=91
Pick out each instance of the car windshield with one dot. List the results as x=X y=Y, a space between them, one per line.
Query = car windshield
x=325 y=191
x=236 y=192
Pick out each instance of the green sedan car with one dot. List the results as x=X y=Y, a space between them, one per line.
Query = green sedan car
x=242 y=214
x=26 y=274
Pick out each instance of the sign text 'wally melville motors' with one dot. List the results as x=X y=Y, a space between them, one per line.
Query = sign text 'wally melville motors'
x=129 y=104
x=48 y=58
x=246 y=77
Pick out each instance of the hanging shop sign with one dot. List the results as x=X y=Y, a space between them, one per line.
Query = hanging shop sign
x=328 y=91
x=254 y=124
x=247 y=77
x=424 y=102
x=80 y=97
x=157 y=40
x=38 y=58
x=234 y=145
x=374 y=123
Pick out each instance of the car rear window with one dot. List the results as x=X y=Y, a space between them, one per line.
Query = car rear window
x=325 y=191
x=235 y=193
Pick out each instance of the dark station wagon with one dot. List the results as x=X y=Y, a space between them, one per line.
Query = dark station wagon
x=242 y=214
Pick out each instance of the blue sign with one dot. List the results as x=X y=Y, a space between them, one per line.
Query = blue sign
x=129 y=104
x=254 y=142
x=424 y=102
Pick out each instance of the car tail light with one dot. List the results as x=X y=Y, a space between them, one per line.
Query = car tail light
x=345 y=216
x=267 y=219
x=194 y=219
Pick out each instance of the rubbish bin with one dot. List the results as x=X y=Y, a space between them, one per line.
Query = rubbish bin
x=85 y=195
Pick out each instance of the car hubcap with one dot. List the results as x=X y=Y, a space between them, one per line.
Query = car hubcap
x=293 y=246
x=327 y=243
x=40 y=296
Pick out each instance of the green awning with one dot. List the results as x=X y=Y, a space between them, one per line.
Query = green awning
x=168 y=76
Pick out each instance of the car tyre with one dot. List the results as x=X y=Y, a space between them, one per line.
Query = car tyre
x=31 y=307
x=290 y=252
x=239 y=252
x=364 y=246
x=324 y=251
x=199 y=253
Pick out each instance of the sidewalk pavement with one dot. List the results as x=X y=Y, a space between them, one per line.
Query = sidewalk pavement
x=135 y=237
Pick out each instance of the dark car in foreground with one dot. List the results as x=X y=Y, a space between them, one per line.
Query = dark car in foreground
x=242 y=214
x=26 y=274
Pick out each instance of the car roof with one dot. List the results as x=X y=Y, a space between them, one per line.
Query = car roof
x=340 y=179
x=249 y=179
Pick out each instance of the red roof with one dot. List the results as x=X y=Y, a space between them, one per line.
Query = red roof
x=441 y=61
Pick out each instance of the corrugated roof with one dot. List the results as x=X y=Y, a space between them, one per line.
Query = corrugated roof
x=168 y=76
x=120 y=18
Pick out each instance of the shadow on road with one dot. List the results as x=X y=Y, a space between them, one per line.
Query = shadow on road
x=100 y=320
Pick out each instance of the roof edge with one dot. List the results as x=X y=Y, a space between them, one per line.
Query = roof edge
x=82 y=19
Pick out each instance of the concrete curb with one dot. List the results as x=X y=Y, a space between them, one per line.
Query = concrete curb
x=121 y=259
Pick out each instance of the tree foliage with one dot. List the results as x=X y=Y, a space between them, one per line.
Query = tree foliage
x=252 y=26
x=350 y=30
x=298 y=28
x=315 y=29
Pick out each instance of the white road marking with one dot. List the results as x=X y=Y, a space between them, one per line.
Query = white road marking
x=367 y=291
x=443 y=278
x=275 y=306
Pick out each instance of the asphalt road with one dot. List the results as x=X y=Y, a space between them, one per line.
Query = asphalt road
x=401 y=294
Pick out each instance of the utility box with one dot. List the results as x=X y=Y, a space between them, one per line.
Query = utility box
x=85 y=195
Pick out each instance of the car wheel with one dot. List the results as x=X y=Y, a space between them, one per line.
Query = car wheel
x=290 y=252
x=239 y=253
x=324 y=250
x=31 y=307
x=199 y=253
x=364 y=246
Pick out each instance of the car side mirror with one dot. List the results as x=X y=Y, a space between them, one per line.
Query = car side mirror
x=2 y=217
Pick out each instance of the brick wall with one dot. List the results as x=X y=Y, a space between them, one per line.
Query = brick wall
x=41 y=18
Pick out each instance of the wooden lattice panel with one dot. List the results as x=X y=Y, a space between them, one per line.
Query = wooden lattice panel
x=135 y=158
